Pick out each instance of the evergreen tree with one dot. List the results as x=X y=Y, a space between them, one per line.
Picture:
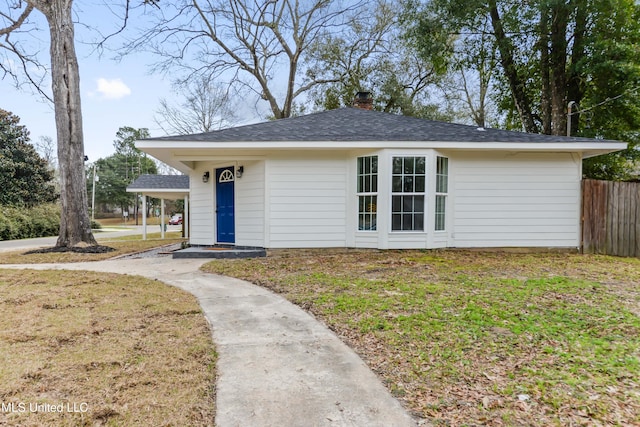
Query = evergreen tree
x=25 y=177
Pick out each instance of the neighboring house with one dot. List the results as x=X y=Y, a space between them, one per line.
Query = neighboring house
x=356 y=178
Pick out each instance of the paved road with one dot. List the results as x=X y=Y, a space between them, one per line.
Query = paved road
x=107 y=233
x=277 y=365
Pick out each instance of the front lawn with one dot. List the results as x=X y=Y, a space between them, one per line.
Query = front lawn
x=478 y=338
x=82 y=349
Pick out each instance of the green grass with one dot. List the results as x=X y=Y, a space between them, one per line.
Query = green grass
x=468 y=338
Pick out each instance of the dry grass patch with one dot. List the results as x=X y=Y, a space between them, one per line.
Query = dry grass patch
x=117 y=350
x=478 y=338
x=122 y=245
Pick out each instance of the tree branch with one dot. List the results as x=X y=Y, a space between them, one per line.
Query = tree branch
x=17 y=23
x=27 y=62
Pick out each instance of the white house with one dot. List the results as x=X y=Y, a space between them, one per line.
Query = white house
x=356 y=178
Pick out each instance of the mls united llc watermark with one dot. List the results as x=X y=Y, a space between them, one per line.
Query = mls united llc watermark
x=23 y=407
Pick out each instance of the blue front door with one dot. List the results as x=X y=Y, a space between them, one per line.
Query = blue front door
x=225 y=223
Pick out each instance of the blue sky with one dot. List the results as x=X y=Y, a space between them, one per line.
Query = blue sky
x=114 y=94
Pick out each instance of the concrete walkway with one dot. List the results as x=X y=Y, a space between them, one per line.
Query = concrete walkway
x=277 y=365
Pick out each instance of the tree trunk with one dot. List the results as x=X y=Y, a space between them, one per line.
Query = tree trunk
x=575 y=84
x=75 y=225
x=558 y=62
x=545 y=75
x=516 y=83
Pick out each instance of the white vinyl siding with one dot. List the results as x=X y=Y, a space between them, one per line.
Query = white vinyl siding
x=311 y=199
x=201 y=208
x=516 y=200
x=407 y=240
x=249 y=207
x=307 y=201
x=366 y=240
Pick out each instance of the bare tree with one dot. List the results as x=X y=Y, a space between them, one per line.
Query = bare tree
x=46 y=147
x=14 y=62
x=206 y=106
x=257 y=45
x=472 y=77
x=75 y=226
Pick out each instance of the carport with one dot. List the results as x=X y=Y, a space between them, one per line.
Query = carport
x=163 y=187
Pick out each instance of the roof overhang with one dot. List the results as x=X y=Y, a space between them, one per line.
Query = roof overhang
x=183 y=155
x=161 y=193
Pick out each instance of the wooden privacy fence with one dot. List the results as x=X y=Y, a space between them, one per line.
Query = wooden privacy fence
x=611 y=218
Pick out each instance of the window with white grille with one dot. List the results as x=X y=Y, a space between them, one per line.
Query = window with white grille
x=442 y=189
x=367 y=193
x=408 y=193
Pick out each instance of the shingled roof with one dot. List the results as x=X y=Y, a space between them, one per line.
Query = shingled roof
x=354 y=124
x=160 y=182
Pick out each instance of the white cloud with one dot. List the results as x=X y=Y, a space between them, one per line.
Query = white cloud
x=112 y=88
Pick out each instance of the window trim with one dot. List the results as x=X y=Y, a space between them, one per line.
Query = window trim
x=442 y=193
x=423 y=194
x=368 y=195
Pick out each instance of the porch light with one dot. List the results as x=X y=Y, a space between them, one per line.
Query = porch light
x=205 y=177
x=239 y=171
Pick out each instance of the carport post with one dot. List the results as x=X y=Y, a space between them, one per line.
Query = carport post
x=185 y=217
x=144 y=217
x=162 y=218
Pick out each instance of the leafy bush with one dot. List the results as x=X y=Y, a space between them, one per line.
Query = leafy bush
x=24 y=223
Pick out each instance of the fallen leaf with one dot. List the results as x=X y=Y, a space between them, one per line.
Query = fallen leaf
x=486 y=401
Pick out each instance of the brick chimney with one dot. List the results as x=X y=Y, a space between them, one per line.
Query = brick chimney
x=363 y=100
